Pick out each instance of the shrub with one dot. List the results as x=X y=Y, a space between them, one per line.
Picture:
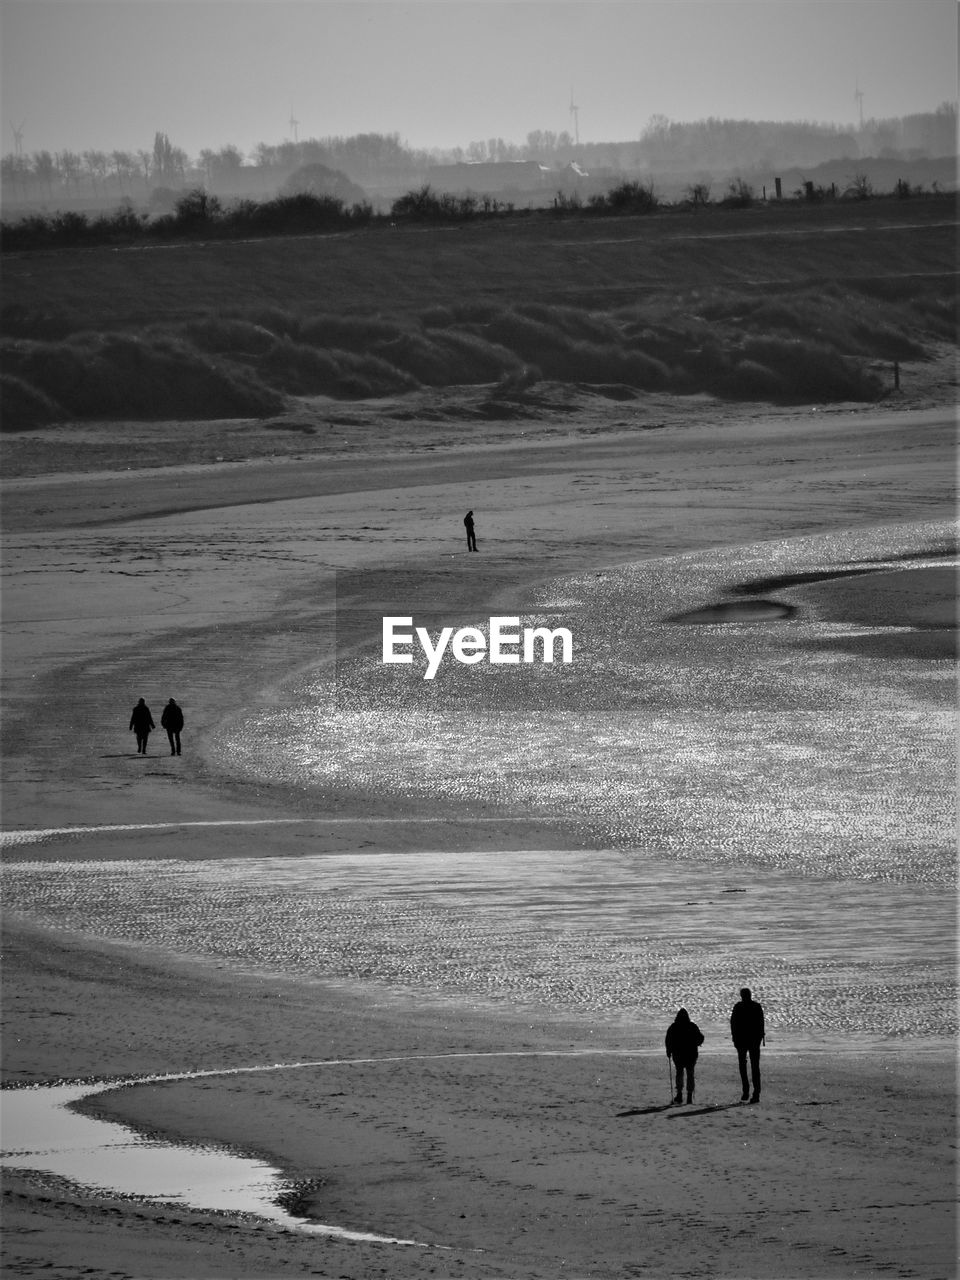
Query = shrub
x=69 y=227
x=740 y=195
x=196 y=209
x=633 y=197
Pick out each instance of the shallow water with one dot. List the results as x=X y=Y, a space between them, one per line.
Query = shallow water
x=754 y=803
x=802 y=745
x=42 y=1132
x=598 y=933
x=769 y=801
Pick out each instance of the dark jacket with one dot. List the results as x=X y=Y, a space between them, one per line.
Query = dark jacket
x=746 y=1024
x=468 y=521
x=142 y=720
x=683 y=1040
x=172 y=717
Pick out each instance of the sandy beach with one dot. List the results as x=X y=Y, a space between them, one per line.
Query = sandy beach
x=467 y=1049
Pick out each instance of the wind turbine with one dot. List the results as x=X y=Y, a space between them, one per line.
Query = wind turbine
x=574 y=110
x=18 y=137
x=293 y=125
x=858 y=98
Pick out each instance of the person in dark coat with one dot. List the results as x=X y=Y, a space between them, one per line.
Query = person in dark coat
x=683 y=1041
x=746 y=1030
x=141 y=722
x=172 y=721
x=471 y=536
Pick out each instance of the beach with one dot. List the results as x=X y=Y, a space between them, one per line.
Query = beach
x=431 y=987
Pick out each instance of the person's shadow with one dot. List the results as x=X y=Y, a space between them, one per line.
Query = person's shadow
x=678 y=1109
x=703 y=1111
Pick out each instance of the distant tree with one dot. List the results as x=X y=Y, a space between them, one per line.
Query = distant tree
x=698 y=194
x=145 y=161
x=70 y=168
x=180 y=161
x=13 y=173
x=860 y=188
x=196 y=208
x=167 y=164
x=264 y=155
x=123 y=165
x=228 y=159
x=541 y=145
x=318 y=180
x=46 y=170
x=96 y=166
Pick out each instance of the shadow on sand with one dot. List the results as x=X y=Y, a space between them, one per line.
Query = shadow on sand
x=704 y=1111
x=678 y=1110
x=645 y=1111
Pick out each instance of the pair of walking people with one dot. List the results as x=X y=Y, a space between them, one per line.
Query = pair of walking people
x=141 y=723
x=684 y=1038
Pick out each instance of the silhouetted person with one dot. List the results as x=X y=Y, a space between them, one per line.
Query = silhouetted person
x=471 y=536
x=683 y=1041
x=172 y=721
x=141 y=722
x=746 y=1028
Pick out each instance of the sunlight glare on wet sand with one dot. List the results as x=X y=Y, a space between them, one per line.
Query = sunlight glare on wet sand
x=601 y=934
x=792 y=745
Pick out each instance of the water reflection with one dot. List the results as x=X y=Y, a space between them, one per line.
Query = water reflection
x=590 y=933
x=42 y=1132
x=799 y=744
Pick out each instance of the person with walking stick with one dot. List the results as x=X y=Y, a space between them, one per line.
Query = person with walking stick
x=683 y=1041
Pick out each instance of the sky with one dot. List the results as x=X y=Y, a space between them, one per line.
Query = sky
x=109 y=74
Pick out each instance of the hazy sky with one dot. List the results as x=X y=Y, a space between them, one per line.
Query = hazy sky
x=108 y=74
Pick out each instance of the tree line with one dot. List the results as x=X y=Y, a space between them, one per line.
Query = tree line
x=664 y=146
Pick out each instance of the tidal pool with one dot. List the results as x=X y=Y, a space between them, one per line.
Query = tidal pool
x=44 y=1133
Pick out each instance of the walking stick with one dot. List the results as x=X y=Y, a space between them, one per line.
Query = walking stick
x=670 y=1076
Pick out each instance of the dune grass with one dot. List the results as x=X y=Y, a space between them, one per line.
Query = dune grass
x=121 y=375
x=239 y=330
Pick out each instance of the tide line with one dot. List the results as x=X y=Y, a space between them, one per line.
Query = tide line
x=36 y=835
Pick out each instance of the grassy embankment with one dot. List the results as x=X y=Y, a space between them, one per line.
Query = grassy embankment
x=785 y=304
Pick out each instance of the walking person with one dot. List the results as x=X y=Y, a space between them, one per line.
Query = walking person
x=141 y=722
x=172 y=721
x=471 y=536
x=746 y=1030
x=683 y=1041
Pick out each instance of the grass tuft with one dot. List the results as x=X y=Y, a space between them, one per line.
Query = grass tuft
x=23 y=406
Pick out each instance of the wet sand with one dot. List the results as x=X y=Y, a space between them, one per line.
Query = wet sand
x=533 y=1166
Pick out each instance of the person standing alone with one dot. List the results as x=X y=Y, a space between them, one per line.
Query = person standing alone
x=172 y=721
x=683 y=1041
x=746 y=1030
x=471 y=536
